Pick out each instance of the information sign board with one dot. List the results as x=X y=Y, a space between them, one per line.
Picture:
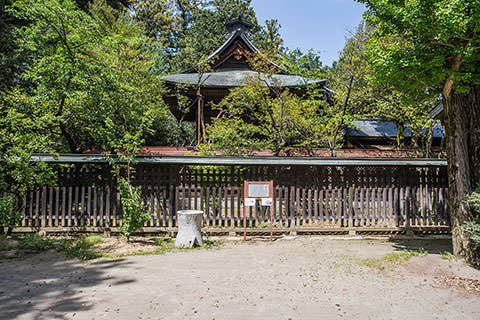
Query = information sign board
x=260 y=190
x=267 y=202
x=257 y=190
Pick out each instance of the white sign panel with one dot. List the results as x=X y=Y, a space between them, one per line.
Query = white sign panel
x=267 y=201
x=258 y=190
x=249 y=202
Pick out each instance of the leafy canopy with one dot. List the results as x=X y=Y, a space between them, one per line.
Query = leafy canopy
x=433 y=39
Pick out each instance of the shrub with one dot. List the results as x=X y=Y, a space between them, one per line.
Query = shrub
x=134 y=211
x=10 y=213
x=472 y=227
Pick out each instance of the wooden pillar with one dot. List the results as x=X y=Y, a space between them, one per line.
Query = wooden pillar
x=200 y=120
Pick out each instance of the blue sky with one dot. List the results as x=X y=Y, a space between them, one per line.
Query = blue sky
x=318 y=24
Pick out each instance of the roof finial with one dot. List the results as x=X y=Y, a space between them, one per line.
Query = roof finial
x=239 y=25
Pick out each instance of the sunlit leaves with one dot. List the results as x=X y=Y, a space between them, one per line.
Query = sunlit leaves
x=435 y=31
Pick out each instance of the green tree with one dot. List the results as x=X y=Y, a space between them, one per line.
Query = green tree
x=309 y=62
x=135 y=212
x=93 y=72
x=436 y=47
x=205 y=30
x=25 y=128
x=93 y=81
x=264 y=114
x=157 y=17
x=269 y=39
x=373 y=95
x=11 y=62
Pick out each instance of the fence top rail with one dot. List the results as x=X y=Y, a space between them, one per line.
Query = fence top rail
x=258 y=161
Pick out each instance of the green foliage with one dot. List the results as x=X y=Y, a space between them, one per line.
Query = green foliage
x=366 y=93
x=135 y=213
x=472 y=227
x=35 y=242
x=24 y=129
x=446 y=255
x=391 y=259
x=156 y=16
x=269 y=40
x=433 y=47
x=424 y=37
x=264 y=114
x=473 y=200
x=10 y=60
x=300 y=63
x=234 y=137
x=208 y=244
x=163 y=241
x=204 y=28
x=337 y=114
x=79 y=248
x=10 y=213
x=92 y=73
x=192 y=29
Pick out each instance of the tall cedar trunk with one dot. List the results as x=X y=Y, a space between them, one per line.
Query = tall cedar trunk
x=463 y=152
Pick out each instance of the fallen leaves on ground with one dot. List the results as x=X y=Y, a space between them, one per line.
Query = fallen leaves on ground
x=459 y=283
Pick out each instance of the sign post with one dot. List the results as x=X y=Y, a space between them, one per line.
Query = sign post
x=253 y=191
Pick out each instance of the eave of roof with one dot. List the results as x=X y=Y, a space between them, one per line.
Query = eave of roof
x=377 y=128
x=218 y=161
x=238 y=78
x=437 y=111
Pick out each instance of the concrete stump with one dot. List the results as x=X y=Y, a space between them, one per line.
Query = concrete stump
x=189 y=228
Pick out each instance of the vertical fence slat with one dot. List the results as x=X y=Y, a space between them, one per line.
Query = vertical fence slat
x=365 y=196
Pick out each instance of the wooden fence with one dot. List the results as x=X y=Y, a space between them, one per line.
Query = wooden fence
x=346 y=195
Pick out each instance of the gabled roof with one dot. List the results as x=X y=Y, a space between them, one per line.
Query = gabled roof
x=237 y=29
x=232 y=68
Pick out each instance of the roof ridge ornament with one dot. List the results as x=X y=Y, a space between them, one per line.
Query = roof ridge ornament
x=238 y=25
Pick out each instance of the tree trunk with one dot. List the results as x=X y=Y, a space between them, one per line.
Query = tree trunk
x=463 y=153
x=400 y=134
x=429 y=140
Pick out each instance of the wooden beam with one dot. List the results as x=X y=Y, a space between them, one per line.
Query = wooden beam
x=263 y=161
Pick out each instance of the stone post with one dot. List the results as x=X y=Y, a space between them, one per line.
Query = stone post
x=189 y=228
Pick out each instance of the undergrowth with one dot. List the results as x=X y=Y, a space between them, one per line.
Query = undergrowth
x=391 y=259
x=208 y=244
x=35 y=242
x=3 y=245
x=79 y=248
x=446 y=255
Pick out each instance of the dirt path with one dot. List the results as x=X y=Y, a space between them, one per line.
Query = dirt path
x=298 y=279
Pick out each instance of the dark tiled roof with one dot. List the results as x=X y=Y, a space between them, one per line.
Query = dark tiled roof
x=435 y=112
x=387 y=129
x=237 y=78
x=230 y=78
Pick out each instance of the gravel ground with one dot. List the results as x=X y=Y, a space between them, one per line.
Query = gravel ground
x=305 y=278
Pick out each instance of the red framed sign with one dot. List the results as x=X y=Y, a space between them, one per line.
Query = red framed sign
x=253 y=191
x=258 y=189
